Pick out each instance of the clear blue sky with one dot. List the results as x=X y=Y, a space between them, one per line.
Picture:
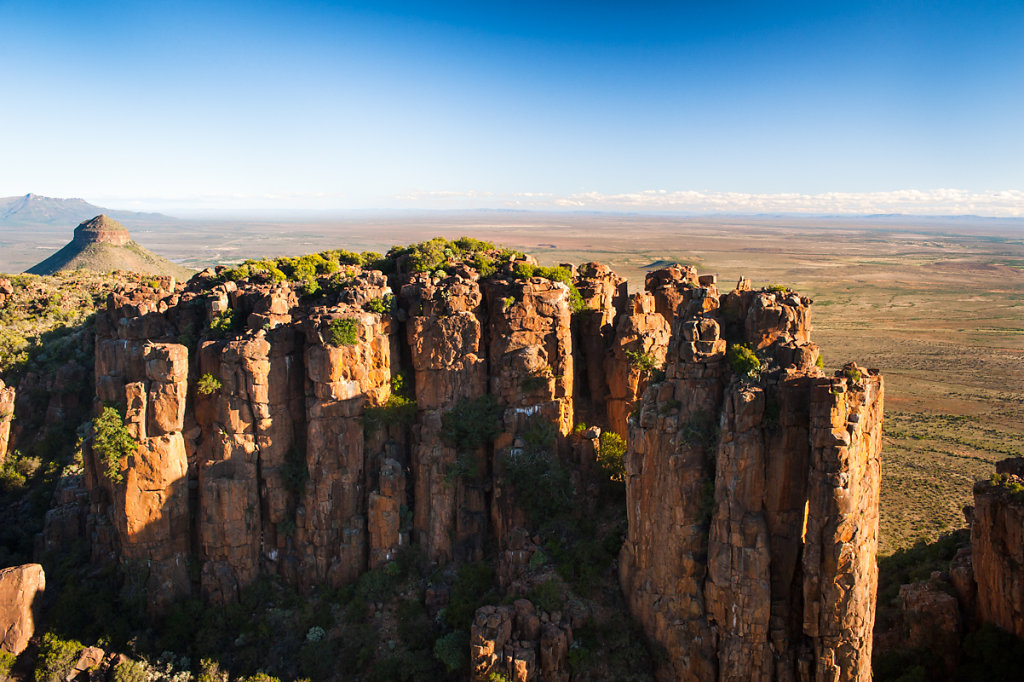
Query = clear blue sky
x=348 y=105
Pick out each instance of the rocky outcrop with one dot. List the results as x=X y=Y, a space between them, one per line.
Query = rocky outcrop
x=277 y=434
x=752 y=495
x=997 y=547
x=520 y=642
x=20 y=587
x=149 y=510
x=932 y=621
x=101 y=229
x=6 y=415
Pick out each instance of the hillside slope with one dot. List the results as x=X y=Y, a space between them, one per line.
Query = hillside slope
x=104 y=245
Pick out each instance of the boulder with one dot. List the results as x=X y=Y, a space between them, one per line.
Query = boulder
x=20 y=587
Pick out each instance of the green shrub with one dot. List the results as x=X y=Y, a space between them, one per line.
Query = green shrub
x=131 y=671
x=1010 y=485
x=235 y=274
x=523 y=270
x=555 y=274
x=56 y=658
x=381 y=305
x=453 y=650
x=543 y=489
x=344 y=332
x=508 y=302
x=7 y=661
x=645 y=362
x=852 y=374
x=464 y=467
x=536 y=382
x=472 y=423
x=310 y=288
x=777 y=288
x=576 y=302
x=743 y=360
x=17 y=470
x=209 y=671
x=700 y=430
x=548 y=595
x=208 y=384
x=485 y=266
x=820 y=362
x=611 y=455
x=260 y=677
x=471 y=245
x=224 y=323
x=111 y=441
x=473 y=587
x=399 y=409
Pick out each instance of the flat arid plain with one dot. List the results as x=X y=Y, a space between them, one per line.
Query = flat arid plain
x=936 y=304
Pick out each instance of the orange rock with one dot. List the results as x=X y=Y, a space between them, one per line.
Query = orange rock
x=20 y=589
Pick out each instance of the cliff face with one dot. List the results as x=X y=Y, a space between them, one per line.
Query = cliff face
x=753 y=504
x=997 y=547
x=275 y=438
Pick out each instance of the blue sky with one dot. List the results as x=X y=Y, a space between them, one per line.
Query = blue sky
x=911 y=106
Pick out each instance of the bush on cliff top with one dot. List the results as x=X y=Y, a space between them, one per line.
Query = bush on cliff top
x=111 y=442
x=434 y=254
x=555 y=274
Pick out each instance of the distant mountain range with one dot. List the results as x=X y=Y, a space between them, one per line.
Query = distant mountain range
x=32 y=209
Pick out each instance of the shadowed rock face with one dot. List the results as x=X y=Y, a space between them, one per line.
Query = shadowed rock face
x=101 y=229
x=752 y=502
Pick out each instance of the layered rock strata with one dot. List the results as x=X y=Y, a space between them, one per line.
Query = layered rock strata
x=270 y=442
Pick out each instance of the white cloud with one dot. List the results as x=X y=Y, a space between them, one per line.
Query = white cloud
x=1003 y=203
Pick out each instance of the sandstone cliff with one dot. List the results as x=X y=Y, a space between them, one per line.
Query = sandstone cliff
x=277 y=434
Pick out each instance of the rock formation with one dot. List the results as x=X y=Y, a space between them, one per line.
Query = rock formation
x=981 y=588
x=103 y=244
x=6 y=415
x=274 y=437
x=752 y=494
x=520 y=642
x=19 y=588
x=997 y=547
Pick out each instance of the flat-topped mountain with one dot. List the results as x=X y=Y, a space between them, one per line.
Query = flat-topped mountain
x=103 y=244
x=32 y=209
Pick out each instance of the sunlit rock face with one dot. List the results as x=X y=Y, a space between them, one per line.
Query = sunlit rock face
x=270 y=442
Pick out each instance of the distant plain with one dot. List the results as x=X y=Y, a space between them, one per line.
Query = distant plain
x=936 y=304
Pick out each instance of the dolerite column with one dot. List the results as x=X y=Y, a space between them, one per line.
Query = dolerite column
x=331 y=525
x=445 y=332
x=841 y=542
